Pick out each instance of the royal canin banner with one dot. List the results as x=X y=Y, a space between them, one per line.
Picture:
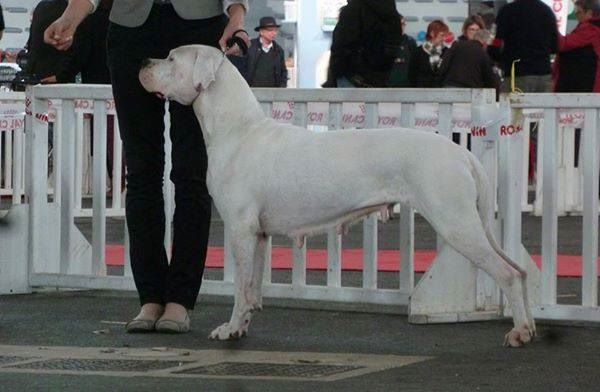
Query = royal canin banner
x=353 y=114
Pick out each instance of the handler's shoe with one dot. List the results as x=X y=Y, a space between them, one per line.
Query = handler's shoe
x=173 y=326
x=175 y=319
x=145 y=321
x=140 y=326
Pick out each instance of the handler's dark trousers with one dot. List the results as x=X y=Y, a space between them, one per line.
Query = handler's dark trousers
x=141 y=124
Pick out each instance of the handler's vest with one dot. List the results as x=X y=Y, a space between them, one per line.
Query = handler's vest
x=133 y=13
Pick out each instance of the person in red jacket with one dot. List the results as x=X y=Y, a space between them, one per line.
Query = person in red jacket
x=577 y=68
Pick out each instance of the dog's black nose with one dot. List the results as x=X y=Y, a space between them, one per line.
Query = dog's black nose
x=145 y=63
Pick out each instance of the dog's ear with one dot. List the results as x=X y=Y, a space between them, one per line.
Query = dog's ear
x=205 y=68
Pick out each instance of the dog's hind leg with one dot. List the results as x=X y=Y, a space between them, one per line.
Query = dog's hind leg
x=244 y=245
x=469 y=239
x=461 y=225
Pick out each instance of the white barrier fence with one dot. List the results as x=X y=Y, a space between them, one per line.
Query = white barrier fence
x=12 y=107
x=553 y=107
x=58 y=255
x=12 y=149
x=12 y=124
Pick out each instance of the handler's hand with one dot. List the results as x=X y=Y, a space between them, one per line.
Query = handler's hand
x=236 y=22
x=60 y=33
x=49 y=80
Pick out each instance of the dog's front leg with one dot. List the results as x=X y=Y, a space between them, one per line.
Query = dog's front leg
x=258 y=270
x=244 y=246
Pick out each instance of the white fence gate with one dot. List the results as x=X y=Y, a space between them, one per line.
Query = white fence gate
x=555 y=107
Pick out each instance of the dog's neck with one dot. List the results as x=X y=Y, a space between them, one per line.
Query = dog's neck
x=227 y=101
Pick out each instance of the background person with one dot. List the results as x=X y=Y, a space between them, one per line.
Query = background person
x=577 y=65
x=424 y=65
x=90 y=60
x=90 y=39
x=364 y=44
x=408 y=46
x=467 y=64
x=529 y=35
x=471 y=25
x=140 y=29
x=266 y=58
x=47 y=63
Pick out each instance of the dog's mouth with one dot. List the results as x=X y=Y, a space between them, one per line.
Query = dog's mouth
x=159 y=95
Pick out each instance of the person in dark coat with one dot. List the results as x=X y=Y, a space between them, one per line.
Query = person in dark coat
x=529 y=35
x=266 y=58
x=408 y=46
x=90 y=60
x=46 y=62
x=364 y=44
x=90 y=50
x=425 y=63
x=467 y=64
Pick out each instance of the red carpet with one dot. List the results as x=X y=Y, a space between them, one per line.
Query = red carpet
x=388 y=260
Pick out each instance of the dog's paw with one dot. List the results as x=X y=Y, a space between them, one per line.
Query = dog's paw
x=517 y=337
x=227 y=332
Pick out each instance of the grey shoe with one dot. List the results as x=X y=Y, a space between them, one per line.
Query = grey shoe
x=173 y=326
x=140 y=326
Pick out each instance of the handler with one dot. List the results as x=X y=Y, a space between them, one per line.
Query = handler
x=141 y=29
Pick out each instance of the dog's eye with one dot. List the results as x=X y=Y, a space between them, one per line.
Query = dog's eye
x=170 y=59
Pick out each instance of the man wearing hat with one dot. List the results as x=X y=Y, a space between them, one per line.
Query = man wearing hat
x=266 y=59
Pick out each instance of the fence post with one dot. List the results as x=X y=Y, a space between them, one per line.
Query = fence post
x=589 y=282
x=510 y=185
x=37 y=187
x=73 y=245
x=549 y=207
x=98 y=266
x=484 y=139
x=407 y=221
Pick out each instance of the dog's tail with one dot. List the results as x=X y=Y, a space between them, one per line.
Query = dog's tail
x=485 y=207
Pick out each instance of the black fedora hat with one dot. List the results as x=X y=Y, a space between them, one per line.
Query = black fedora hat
x=266 y=21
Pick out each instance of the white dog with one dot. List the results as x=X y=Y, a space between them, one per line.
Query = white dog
x=268 y=178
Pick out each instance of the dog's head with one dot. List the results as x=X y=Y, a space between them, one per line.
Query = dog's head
x=183 y=74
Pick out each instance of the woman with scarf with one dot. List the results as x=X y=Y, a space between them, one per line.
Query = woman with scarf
x=427 y=58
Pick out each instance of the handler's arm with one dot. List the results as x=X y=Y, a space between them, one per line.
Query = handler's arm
x=60 y=33
x=236 y=10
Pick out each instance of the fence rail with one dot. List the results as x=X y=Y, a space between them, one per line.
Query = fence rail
x=352 y=114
